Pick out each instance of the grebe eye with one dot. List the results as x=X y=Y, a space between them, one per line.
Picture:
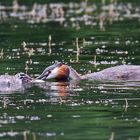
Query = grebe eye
x=49 y=71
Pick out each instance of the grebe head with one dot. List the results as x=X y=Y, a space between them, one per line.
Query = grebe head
x=58 y=71
x=24 y=77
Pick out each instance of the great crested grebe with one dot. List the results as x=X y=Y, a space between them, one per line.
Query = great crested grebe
x=13 y=82
x=60 y=71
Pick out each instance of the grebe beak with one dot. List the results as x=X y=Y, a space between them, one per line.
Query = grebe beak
x=50 y=72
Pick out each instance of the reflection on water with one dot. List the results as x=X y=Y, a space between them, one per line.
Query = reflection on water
x=57 y=91
x=87 y=104
x=68 y=92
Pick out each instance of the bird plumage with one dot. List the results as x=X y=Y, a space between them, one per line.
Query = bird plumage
x=61 y=71
x=13 y=82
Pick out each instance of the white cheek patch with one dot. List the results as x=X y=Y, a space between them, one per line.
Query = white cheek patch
x=37 y=81
x=53 y=74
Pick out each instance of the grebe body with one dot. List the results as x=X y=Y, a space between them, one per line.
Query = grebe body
x=60 y=71
x=13 y=82
x=121 y=72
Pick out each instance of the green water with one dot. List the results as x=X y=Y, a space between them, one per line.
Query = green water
x=72 y=110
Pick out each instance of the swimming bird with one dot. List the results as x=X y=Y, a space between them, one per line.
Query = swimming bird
x=60 y=71
x=13 y=82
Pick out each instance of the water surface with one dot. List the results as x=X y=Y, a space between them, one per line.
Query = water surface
x=76 y=109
